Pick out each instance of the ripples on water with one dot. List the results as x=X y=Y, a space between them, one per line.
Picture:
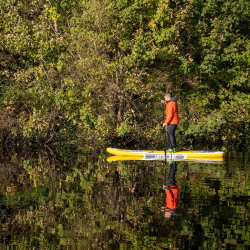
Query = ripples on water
x=83 y=202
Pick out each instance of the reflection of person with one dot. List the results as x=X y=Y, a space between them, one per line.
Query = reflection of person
x=172 y=193
x=172 y=119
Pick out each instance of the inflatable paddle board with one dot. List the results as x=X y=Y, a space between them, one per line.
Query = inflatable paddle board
x=180 y=155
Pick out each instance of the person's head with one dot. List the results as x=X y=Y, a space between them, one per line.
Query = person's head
x=168 y=214
x=167 y=97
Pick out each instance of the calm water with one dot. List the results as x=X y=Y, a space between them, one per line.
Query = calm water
x=84 y=202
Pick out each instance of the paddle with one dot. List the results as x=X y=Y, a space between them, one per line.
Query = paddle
x=164 y=186
x=164 y=128
x=164 y=135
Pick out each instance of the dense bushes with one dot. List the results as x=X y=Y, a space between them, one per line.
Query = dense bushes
x=95 y=71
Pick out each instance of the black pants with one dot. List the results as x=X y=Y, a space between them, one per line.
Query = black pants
x=171 y=176
x=171 y=135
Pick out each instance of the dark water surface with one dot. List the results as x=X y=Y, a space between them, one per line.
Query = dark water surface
x=83 y=202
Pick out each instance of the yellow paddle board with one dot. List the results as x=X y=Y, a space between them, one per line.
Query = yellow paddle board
x=180 y=155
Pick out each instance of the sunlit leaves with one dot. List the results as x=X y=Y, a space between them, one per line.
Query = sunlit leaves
x=96 y=70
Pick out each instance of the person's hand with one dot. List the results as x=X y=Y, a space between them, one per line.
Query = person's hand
x=164 y=124
x=162 y=101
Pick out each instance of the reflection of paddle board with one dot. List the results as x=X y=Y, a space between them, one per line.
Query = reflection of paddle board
x=180 y=155
x=145 y=158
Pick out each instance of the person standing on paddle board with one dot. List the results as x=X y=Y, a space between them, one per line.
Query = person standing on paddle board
x=172 y=119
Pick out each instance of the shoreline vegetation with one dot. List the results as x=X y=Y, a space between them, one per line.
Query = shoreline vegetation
x=93 y=72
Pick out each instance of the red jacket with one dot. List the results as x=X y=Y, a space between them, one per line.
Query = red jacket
x=172 y=198
x=172 y=111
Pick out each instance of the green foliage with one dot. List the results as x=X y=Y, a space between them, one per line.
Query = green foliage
x=95 y=71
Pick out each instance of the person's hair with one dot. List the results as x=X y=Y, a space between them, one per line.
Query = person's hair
x=168 y=95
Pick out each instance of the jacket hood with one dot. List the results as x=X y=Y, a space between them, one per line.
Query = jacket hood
x=173 y=99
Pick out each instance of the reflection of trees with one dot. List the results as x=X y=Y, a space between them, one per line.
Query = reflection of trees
x=88 y=203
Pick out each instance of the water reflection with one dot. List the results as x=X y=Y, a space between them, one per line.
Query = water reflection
x=172 y=192
x=80 y=201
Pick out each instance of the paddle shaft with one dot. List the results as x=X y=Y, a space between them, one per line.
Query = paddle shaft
x=165 y=138
x=164 y=194
x=164 y=128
